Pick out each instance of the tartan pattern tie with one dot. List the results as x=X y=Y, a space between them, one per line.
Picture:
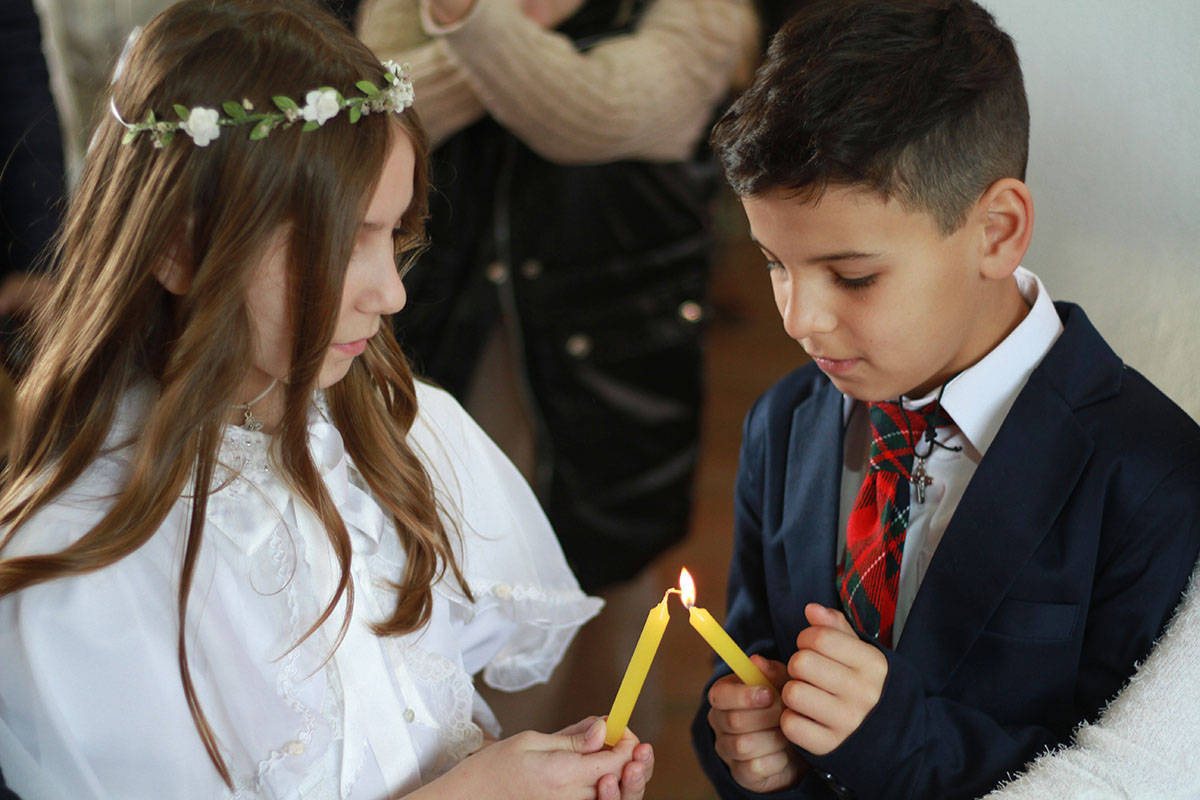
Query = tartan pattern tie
x=869 y=576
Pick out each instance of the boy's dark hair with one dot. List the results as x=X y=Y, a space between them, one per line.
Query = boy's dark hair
x=920 y=100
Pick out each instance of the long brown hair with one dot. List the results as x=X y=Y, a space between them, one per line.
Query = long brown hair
x=110 y=324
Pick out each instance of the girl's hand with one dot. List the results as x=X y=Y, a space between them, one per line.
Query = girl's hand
x=630 y=784
x=569 y=765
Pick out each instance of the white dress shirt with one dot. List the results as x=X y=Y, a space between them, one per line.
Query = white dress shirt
x=91 y=703
x=977 y=400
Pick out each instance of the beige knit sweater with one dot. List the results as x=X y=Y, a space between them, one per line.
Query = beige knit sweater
x=647 y=95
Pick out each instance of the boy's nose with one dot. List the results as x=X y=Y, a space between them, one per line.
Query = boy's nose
x=804 y=314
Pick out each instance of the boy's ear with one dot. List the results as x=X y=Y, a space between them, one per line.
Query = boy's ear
x=174 y=271
x=1006 y=214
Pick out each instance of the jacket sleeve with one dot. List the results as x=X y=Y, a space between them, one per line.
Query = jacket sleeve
x=748 y=617
x=917 y=744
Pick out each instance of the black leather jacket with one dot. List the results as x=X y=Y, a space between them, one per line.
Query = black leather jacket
x=603 y=270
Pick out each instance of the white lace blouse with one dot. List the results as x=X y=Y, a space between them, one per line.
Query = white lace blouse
x=91 y=703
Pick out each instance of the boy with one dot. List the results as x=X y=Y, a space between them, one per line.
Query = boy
x=1004 y=512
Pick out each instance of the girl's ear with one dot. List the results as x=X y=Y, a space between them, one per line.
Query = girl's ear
x=174 y=271
x=1007 y=208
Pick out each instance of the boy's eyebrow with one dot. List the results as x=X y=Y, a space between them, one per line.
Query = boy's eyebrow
x=843 y=255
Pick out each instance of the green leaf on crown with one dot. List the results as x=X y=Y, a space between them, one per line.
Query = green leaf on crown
x=261 y=129
x=234 y=110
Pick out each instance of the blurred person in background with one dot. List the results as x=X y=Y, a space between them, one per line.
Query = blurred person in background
x=31 y=170
x=562 y=294
x=83 y=40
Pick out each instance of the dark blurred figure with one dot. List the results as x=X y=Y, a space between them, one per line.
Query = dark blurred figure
x=345 y=9
x=31 y=169
x=584 y=263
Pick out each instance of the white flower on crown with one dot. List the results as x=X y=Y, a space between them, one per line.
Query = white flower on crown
x=320 y=105
x=202 y=125
x=402 y=95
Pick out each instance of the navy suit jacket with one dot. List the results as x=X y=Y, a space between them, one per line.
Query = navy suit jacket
x=1061 y=564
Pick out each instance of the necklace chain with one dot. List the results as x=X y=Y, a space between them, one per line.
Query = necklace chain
x=920 y=478
x=251 y=422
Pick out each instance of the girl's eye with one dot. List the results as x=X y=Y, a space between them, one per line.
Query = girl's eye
x=772 y=265
x=854 y=284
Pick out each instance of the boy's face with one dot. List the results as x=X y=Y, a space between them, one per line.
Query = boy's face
x=876 y=295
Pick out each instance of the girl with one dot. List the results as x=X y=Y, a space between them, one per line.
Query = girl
x=243 y=553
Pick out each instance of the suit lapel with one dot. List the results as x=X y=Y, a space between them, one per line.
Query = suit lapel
x=810 y=510
x=1014 y=497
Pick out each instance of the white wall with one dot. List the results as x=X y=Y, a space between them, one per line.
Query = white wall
x=1114 y=94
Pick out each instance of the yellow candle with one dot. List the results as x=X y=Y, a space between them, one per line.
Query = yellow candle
x=718 y=639
x=635 y=673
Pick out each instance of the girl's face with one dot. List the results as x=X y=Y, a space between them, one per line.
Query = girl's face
x=372 y=289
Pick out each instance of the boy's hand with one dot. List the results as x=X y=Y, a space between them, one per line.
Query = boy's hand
x=745 y=720
x=836 y=680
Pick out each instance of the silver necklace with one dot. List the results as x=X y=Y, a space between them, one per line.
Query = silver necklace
x=251 y=422
x=920 y=477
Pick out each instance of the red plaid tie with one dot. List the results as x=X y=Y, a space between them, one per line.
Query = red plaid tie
x=869 y=576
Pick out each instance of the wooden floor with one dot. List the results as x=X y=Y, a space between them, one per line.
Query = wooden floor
x=747 y=352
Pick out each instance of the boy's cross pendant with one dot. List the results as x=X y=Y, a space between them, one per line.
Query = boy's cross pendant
x=920 y=479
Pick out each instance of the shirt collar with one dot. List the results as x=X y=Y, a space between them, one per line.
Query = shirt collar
x=979 y=398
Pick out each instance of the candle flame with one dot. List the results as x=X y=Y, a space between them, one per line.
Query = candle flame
x=687 y=588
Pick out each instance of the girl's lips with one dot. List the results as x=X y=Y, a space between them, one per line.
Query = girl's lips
x=352 y=348
x=835 y=365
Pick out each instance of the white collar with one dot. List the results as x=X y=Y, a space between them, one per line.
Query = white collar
x=979 y=397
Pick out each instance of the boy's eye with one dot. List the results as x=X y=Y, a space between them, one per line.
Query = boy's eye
x=854 y=284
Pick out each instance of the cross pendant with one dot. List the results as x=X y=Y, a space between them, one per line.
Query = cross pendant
x=920 y=480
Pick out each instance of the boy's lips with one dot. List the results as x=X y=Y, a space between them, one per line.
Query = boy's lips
x=835 y=365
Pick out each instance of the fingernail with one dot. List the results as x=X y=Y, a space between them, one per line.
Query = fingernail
x=597 y=726
x=646 y=756
x=762 y=697
x=639 y=774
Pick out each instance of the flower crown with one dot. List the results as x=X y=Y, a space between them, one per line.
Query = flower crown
x=320 y=105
